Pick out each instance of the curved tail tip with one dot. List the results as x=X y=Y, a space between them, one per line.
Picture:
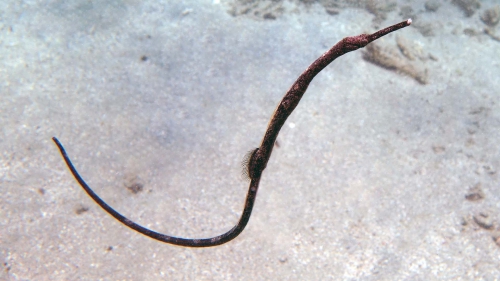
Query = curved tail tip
x=409 y=21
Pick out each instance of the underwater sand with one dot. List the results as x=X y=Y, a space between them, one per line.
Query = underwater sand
x=377 y=176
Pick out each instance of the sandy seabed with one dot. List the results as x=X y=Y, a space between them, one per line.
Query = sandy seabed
x=387 y=170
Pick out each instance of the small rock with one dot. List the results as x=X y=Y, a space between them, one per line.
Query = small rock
x=484 y=221
x=432 y=5
x=497 y=240
x=80 y=210
x=468 y=6
x=332 y=11
x=475 y=193
x=491 y=16
x=134 y=184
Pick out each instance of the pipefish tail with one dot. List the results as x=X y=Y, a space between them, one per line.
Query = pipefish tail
x=256 y=160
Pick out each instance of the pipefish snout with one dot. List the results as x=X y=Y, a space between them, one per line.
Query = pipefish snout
x=256 y=160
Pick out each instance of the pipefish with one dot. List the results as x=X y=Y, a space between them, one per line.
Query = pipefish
x=256 y=160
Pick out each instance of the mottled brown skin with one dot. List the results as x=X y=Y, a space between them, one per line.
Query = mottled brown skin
x=295 y=93
x=257 y=160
